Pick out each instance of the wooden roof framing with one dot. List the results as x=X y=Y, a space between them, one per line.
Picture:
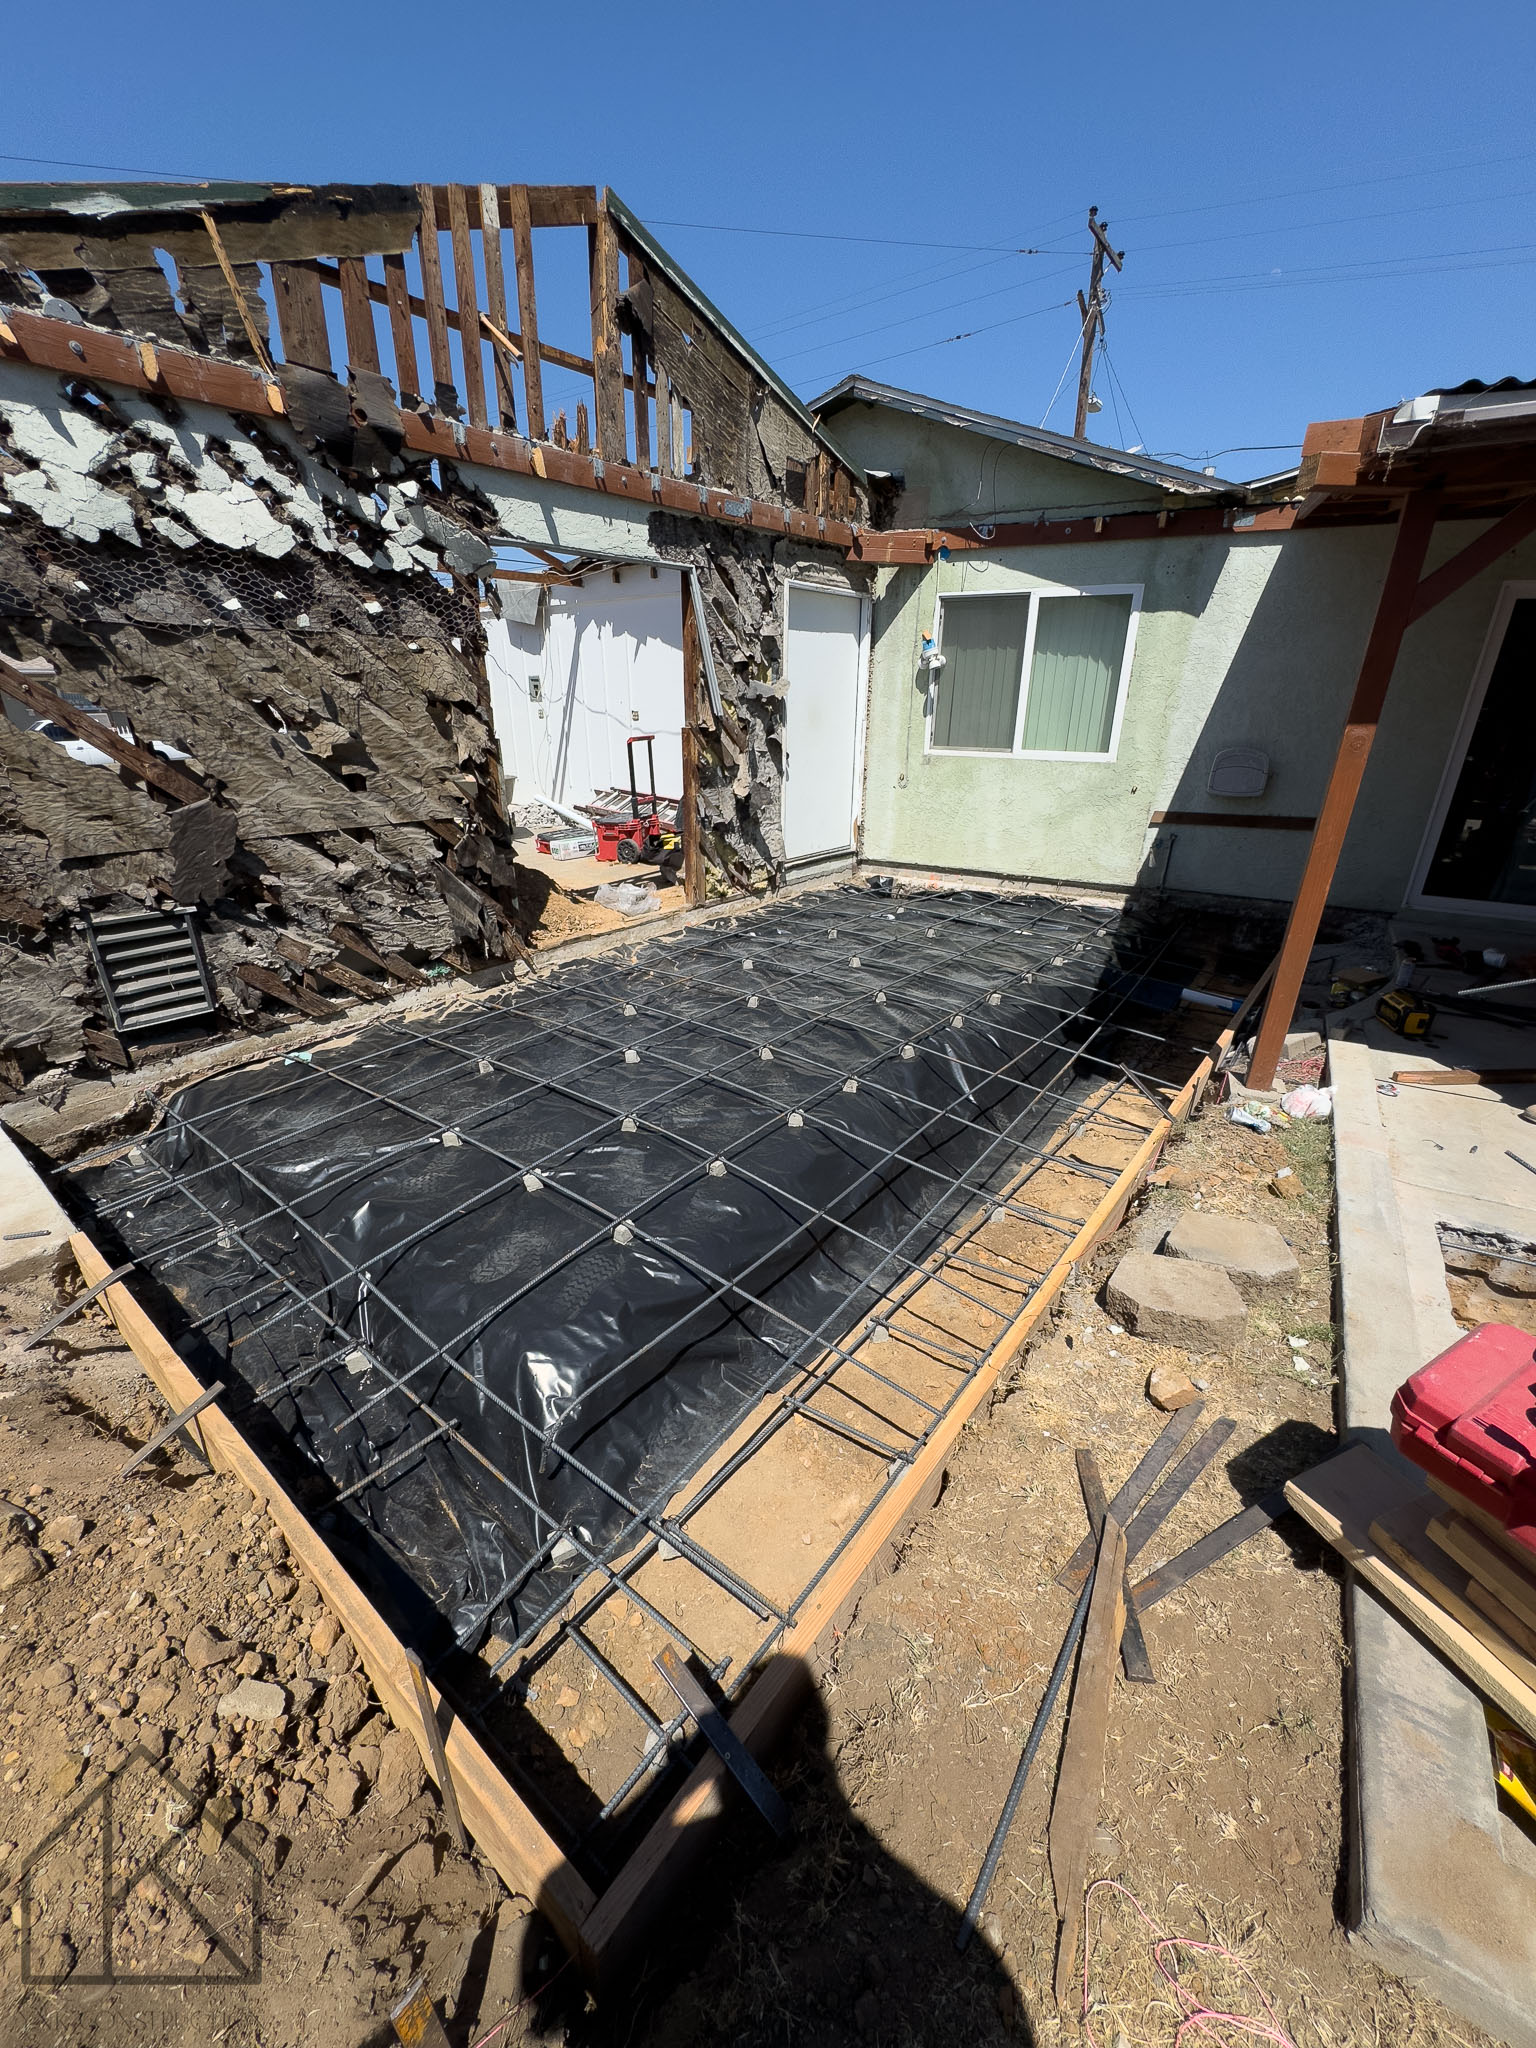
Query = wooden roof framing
x=316 y=246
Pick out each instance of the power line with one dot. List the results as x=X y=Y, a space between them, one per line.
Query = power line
x=715 y=227
x=64 y=163
x=975 y=299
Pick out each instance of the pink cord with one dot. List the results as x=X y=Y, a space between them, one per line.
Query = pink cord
x=1202 y=2017
x=537 y=1992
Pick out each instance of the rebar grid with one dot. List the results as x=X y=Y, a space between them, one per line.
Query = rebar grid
x=782 y=969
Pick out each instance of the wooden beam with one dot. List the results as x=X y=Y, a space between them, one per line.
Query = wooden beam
x=607 y=363
x=467 y=292
x=300 y=316
x=638 y=386
x=433 y=306
x=528 y=1861
x=515 y=212
x=268 y=982
x=549 y=206
x=113 y=358
x=252 y=331
x=357 y=314
x=496 y=293
x=1252 y=821
x=402 y=332
x=1393 y=612
x=663 y=423
x=27 y=682
x=1516 y=525
x=695 y=887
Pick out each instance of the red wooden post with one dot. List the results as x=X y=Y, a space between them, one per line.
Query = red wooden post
x=1394 y=610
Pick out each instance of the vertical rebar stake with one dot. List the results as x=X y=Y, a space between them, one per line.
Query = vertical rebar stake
x=439 y=1754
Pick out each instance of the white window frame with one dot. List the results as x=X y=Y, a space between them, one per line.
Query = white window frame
x=1509 y=596
x=1018 y=751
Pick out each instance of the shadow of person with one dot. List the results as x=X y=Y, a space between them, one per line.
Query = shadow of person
x=824 y=1938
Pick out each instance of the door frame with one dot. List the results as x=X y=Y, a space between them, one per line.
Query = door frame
x=1510 y=594
x=861 y=709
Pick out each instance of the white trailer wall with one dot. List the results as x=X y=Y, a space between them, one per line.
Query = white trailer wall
x=606 y=663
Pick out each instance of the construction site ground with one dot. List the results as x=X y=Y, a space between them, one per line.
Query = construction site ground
x=1222 y=1813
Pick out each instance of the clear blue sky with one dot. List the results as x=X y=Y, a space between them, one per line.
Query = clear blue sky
x=1324 y=208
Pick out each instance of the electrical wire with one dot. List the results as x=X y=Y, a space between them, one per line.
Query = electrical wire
x=952 y=305
x=1071 y=353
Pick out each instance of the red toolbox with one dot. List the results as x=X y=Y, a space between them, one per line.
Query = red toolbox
x=1469 y=1417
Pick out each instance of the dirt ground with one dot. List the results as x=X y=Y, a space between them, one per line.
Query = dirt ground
x=1221 y=1819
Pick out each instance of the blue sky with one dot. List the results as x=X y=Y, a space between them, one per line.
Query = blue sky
x=1324 y=208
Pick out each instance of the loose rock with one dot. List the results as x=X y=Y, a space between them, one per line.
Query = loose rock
x=1177 y=1301
x=343 y=1783
x=1253 y=1255
x=253 y=1699
x=401 y=1777
x=204 y=1649
x=62 y=1532
x=1168 y=1388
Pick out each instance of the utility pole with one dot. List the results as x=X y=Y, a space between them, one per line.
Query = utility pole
x=1092 y=310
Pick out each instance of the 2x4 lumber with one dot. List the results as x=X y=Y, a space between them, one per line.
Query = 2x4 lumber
x=1406 y=1534
x=266 y=981
x=402 y=332
x=663 y=423
x=549 y=206
x=496 y=293
x=639 y=386
x=1080 y=1780
x=1394 y=612
x=300 y=316
x=607 y=363
x=357 y=314
x=526 y=1858
x=1341 y=1499
x=1517 y=524
x=467 y=292
x=242 y=306
x=433 y=307
x=516 y=216
x=1488 y=1564
x=679 y=1833
x=27 y=681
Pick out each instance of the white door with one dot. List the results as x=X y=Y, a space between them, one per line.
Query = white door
x=823 y=667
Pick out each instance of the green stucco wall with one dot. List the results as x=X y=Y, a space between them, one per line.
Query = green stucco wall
x=1242 y=640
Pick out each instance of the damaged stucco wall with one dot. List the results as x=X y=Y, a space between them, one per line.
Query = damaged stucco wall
x=744 y=577
x=221 y=587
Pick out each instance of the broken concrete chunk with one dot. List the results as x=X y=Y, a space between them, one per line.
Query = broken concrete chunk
x=1254 y=1255
x=204 y=1649
x=253 y=1699
x=62 y=1532
x=1168 y=1388
x=1177 y=1301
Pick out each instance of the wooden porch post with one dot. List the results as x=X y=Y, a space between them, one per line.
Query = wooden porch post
x=1394 y=610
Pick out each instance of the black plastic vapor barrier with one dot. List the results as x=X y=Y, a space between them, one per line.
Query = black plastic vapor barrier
x=488 y=1282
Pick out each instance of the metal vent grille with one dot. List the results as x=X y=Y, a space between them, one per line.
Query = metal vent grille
x=152 y=968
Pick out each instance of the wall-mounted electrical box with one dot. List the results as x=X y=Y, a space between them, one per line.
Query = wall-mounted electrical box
x=1239 y=771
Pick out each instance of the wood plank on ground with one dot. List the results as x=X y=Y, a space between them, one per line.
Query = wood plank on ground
x=1080 y=1780
x=1341 y=1498
x=1492 y=1566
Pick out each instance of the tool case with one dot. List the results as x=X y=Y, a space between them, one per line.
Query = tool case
x=1469 y=1417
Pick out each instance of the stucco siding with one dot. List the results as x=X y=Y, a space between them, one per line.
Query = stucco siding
x=1242 y=640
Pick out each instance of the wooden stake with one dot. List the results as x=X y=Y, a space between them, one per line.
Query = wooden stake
x=1080 y=1781
x=434 y=1734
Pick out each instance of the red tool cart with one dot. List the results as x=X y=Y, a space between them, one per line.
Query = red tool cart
x=642 y=835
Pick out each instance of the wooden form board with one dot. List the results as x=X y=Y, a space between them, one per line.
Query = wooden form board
x=1342 y=1499
x=527 y=1860
x=603 y=1932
